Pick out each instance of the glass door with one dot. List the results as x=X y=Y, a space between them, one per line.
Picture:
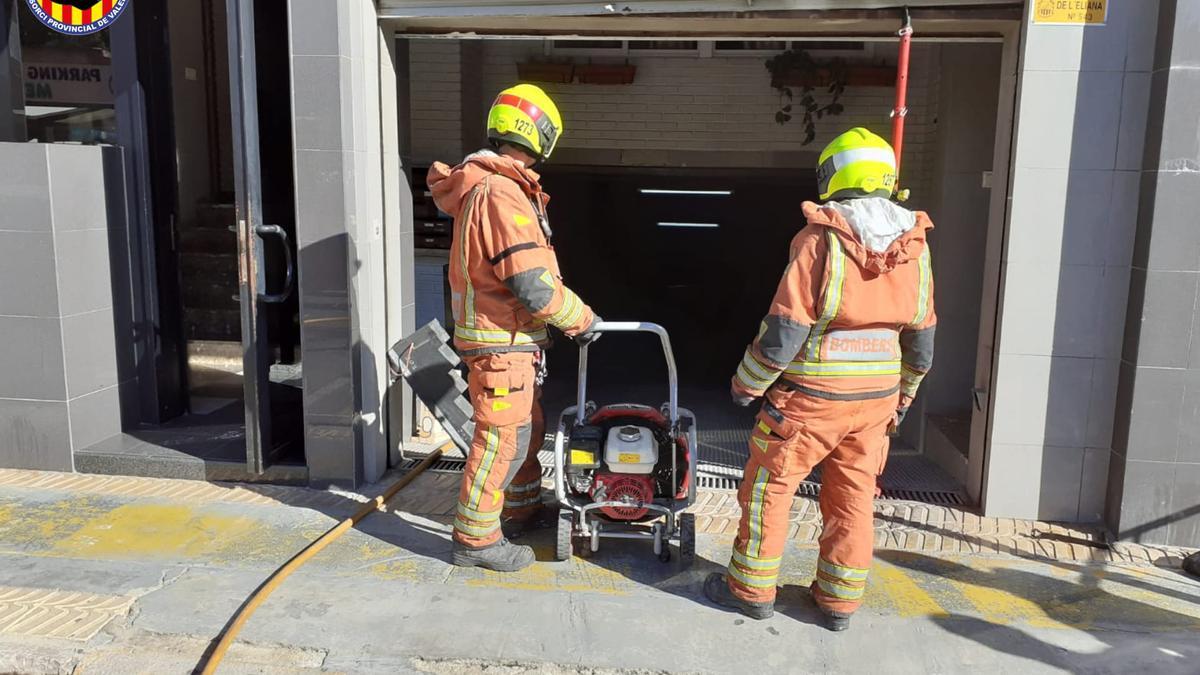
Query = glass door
x=254 y=237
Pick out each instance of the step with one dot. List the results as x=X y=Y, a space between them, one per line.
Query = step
x=216 y=267
x=152 y=455
x=222 y=325
x=209 y=294
x=216 y=216
x=207 y=240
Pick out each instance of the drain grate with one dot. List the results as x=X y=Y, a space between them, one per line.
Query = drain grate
x=706 y=481
x=940 y=497
x=440 y=466
x=457 y=466
x=812 y=489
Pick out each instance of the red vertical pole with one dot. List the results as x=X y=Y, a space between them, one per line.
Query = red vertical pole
x=901 y=109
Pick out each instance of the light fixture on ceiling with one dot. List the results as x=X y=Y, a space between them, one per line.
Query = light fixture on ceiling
x=697 y=193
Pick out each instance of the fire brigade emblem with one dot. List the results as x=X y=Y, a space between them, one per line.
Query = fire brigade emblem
x=77 y=17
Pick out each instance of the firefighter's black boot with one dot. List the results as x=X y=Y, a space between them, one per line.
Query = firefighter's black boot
x=830 y=620
x=717 y=590
x=501 y=556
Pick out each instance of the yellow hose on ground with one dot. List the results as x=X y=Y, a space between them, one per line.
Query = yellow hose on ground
x=272 y=582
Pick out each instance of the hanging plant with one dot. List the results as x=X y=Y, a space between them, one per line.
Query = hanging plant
x=797 y=76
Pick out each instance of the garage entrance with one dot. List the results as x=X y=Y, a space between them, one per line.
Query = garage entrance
x=677 y=187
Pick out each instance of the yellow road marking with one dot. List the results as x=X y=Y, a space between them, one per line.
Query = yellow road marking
x=157 y=530
x=580 y=577
x=906 y=596
x=1002 y=607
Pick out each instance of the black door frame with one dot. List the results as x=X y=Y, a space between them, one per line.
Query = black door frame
x=142 y=90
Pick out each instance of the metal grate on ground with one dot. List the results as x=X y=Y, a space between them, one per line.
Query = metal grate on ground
x=723 y=454
x=709 y=481
x=812 y=488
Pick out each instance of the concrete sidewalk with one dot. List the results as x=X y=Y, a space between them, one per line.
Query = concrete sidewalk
x=115 y=575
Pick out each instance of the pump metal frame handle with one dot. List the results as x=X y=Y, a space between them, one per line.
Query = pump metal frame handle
x=630 y=327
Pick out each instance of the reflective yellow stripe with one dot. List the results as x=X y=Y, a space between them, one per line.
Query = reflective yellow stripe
x=836 y=260
x=844 y=368
x=474 y=530
x=910 y=380
x=478 y=516
x=523 y=488
x=756 y=563
x=754 y=377
x=463 y=246
x=485 y=466
x=569 y=313
x=760 y=442
x=839 y=591
x=502 y=337
x=579 y=307
x=923 y=289
x=750 y=381
x=751 y=580
x=840 y=572
x=757 y=369
x=469 y=304
x=747 y=378
x=758 y=496
x=762 y=426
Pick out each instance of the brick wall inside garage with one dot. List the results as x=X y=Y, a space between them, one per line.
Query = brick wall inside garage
x=723 y=104
x=435 y=68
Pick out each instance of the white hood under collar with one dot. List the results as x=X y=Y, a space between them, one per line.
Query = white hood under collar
x=877 y=221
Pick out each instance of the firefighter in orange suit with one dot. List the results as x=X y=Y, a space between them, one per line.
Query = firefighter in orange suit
x=838 y=360
x=506 y=292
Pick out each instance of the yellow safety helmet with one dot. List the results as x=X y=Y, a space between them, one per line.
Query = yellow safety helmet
x=525 y=116
x=856 y=164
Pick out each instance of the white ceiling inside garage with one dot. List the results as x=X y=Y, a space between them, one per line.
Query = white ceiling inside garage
x=427 y=8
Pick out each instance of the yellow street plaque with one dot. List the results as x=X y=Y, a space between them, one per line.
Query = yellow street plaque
x=1070 y=12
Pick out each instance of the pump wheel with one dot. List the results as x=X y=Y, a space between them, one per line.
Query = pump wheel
x=687 y=539
x=562 y=545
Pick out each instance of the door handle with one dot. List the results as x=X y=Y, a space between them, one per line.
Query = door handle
x=290 y=272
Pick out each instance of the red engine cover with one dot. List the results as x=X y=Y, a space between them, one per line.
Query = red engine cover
x=615 y=487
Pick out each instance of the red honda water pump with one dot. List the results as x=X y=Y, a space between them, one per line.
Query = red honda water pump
x=622 y=487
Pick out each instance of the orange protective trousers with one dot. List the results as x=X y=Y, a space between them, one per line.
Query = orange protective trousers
x=503 y=478
x=792 y=433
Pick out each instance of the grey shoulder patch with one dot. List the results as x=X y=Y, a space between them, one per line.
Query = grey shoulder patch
x=916 y=346
x=781 y=339
x=530 y=289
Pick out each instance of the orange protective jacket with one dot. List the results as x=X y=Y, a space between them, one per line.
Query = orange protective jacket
x=504 y=276
x=847 y=322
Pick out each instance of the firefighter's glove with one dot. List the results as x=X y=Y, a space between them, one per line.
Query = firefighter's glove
x=589 y=335
x=897 y=420
x=741 y=399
